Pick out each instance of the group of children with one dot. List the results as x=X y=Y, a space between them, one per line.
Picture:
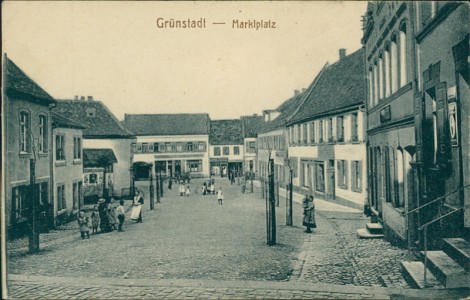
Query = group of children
x=105 y=216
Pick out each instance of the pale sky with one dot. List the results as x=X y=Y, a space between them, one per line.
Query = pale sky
x=114 y=52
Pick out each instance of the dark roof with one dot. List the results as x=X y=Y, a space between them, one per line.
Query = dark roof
x=167 y=124
x=286 y=109
x=98 y=157
x=339 y=86
x=95 y=116
x=251 y=125
x=21 y=86
x=226 y=132
x=60 y=121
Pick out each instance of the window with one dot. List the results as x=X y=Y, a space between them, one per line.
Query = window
x=25 y=132
x=201 y=146
x=371 y=88
x=330 y=130
x=150 y=147
x=354 y=131
x=91 y=112
x=226 y=150
x=60 y=147
x=320 y=132
x=216 y=151
x=75 y=196
x=189 y=147
x=156 y=147
x=20 y=202
x=342 y=174
x=304 y=172
x=291 y=135
x=138 y=148
x=403 y=56
x=340 y=128
x=356 y=176
x=381 y=78
x=387 y=70
x=298 y=134
x=312 y=132
x=179 y=147
x=251 y=147
x=93 y=178
x=43 y=142
x=168 y=147
x=394 y=64
x=376 y=84
x=194 y=165
x=236 y=150
x=400 y=198
x=61 y=203
x=145 y=147
x=320 y=177
x=77 y=148
x=304 y=133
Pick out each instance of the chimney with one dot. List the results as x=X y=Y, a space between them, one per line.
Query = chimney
x=342 y=53
x=90 y=98
x=82 y=98
x=296 y=92
x=76 y=97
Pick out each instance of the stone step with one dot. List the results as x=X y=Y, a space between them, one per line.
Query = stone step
x=447 y=270
x=459 y=250
x=363 y=233
x=375 y=228
x=414 y=274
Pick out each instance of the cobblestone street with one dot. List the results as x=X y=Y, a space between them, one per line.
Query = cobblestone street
x=196 y=239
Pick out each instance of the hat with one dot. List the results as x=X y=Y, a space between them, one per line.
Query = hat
x=101 y=200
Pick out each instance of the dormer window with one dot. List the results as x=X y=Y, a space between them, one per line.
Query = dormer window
x=91 y=112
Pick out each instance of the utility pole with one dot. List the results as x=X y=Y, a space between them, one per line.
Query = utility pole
x=161 y=181
x=34 y=233
x=289 y=222
x=272 y=206
x=151 y=189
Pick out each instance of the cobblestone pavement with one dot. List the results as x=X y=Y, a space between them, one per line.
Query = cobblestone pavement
x=333 y=254
x=29 y=287
x=196 y=239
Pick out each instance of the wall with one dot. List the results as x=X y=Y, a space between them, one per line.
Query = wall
x=67 y=172
x=122 y=151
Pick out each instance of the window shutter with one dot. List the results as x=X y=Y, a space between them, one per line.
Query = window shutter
x=442 y=125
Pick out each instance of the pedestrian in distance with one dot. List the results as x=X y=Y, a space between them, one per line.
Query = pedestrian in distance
x=95 y=220
x=220 y=195
x=137 y=203
x=204 y=188
x=112 y=214
x=188 y=191
x=104 y=218
x=121 y=215
x=83 y=224
x=182 y=190
x=170 y=183
x=309 y=213
x=212 y=188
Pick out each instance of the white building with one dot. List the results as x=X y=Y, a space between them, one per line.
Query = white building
x=226 y=147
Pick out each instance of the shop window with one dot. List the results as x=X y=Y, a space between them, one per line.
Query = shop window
x=194 y=165
x=93 y=178
x=320 y=177
x=21 y=202
x=356 y=174
x=342 y=166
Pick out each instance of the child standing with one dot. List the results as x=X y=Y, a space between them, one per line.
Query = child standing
x=83 y=223
x=121 y=214
x=188 y=191
x=220 y=195
x=95 y=220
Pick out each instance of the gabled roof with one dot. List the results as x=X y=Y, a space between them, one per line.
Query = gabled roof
x=339 y=86
x=226 y=132
x=95 y=116
x=167 y=124
x=21 y=86
x=62 y=122
x=98 y=157
x=286 y=109
x=251 y=125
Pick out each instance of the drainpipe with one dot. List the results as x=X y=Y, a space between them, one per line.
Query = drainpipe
x=51 y=164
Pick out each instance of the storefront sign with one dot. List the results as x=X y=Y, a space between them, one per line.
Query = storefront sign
x=453 y=124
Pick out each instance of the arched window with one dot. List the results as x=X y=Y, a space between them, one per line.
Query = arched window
x=403 y=56
x=381 y=78
x=376 y=85
x=393 y=64
x=387 y=70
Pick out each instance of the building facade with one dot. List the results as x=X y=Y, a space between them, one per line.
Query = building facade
x=251 y=125
x=226 y=147
x=327 y=134
x=103 y=131
x=417 y=111
x=27 y=147
x=67 y=143
x=171 y=144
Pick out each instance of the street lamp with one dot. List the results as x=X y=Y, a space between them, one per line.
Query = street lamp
x=288 y=163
